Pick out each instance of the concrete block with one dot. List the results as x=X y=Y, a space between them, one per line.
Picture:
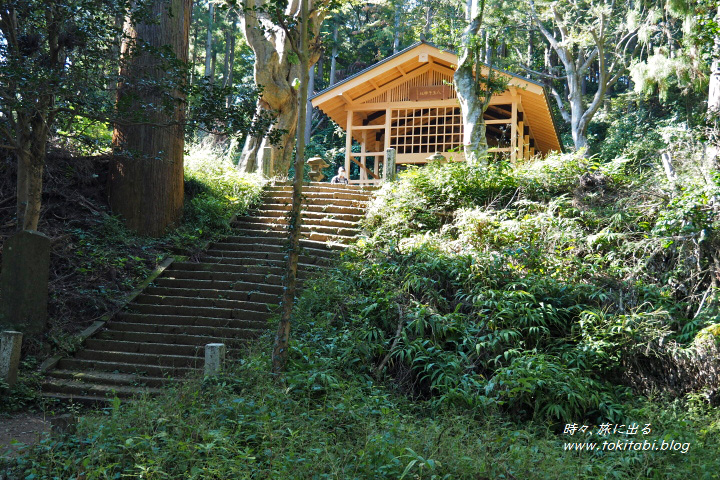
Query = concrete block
x=214 y=358
x=10 y=343
x=24 y=282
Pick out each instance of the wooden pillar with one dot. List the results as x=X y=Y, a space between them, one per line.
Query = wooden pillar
x=348 y=143
x=388 y=130
x=520 y=144
x=526 y=147
x=363 y=158
x=513 y=128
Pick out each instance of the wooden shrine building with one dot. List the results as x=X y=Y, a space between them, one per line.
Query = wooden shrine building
x=407 y=102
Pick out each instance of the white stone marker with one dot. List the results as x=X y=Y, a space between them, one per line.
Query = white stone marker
x=214 y=358
x=10 y=343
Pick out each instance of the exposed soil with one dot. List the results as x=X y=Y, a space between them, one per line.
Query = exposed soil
x=92 y=266
x=20 y=430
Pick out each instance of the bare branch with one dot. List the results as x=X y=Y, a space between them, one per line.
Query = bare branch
x=546 y=33
x=563 y=111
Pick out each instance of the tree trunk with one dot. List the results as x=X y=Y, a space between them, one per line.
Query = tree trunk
x=396 y=28
x=577 y=62
x=33 y=127
x=145 y=184
x=473 y=101
x=714 y=90
x=282 y=338
x=208 y=41
x=228 y=81
x=309 y=108
x=334 y=54
x=275 y=71
x=429 y=14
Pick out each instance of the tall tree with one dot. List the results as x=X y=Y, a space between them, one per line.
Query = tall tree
x=474 y=90
x=582 y=33
x=50 y=51
x=145 y=184
x=272 y=30
x=282 y=338
x=714 y=90
x=209 y=40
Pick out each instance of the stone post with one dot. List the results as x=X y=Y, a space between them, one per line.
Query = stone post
x=266 y=162
x=10 y=343
x=24 y=282
x=390 y=160
x=214 y=358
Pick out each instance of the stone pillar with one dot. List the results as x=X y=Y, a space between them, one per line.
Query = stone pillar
x=24 y=282
x=390 y=158
x=10 y=343
x=214 y=358
x=266 y=161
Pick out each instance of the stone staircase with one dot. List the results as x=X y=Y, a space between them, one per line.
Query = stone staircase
x=225 y=297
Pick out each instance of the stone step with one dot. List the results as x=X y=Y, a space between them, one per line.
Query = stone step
x=220 y=303
x=242 y=258
x=243 y=243
x=225 y=276
x=86 y=389
x=231 y=332
x=310 y=239
x=226 y=297
x=179 y=338
x=121 y=367
x=199 y=321
x=320 y=202
x=199 y=311
x=307 y=223
x=312 y=215
x=251 y=223
x=109 y=378
x=272 y=268
x=331 y=209
x=217 y=285
x=324 y=187
x=144 y=347
x=141 y=358
x=313 y=196
x=227 y=293
x=91 y=401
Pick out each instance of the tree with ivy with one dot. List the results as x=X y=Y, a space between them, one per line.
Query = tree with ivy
x=272 y=29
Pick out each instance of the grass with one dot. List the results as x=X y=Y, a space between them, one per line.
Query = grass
x=491 y=323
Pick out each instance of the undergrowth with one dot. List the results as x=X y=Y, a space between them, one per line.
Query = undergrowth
x=96 y=262
x=490 y=318
x=328 y=424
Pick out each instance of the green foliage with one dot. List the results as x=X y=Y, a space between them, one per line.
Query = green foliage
x=216 y=192
x=24 y=395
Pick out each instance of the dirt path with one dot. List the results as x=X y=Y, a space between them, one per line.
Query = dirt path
x=25 y=428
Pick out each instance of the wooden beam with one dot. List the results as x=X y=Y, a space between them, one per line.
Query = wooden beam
x=414 y=105
x=384 y=88
x=363 y=169
x=347 y=98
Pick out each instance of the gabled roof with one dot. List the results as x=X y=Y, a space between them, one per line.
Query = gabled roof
x=358 y=89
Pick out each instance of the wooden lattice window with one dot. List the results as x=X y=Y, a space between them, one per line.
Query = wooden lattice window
x=426 y=130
